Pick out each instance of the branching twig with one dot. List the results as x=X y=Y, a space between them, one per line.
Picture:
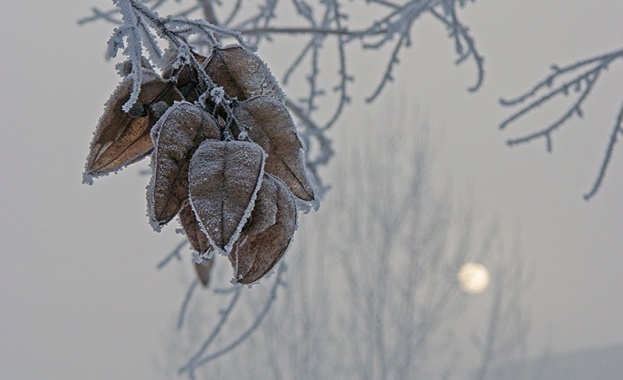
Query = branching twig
x=585 y=76
x=391 y=29
x=225 y=314
x=254 y=325
x=618 y=128
x=189 y=294
x=197 y=360
x=174 y=254
x=461 y=33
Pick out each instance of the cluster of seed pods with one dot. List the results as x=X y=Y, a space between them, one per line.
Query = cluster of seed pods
x=225 y=157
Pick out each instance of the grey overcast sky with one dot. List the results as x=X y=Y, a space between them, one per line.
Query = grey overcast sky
x=80 y=296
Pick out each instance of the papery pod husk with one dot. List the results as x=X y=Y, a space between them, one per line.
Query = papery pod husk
x=120 y=139
x=264 y=212
x=198 y=242
x=204 y=270
x=197 y=239
x=242 y=74
x=254 y=255
x=186 y=77
x=175 y=137
x=224 y=178
x=271 y=126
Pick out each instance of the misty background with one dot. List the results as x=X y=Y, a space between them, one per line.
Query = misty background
x=81 y=296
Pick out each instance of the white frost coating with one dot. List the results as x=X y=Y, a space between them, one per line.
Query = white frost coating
x=197 y=258
x=124 y=85
x=208 y=254
x=150 y=205
x=273 y=269
x=109 y=119
x=315 y=203
x=154 y=133
x=250 y=206
x=155 y=130
x=194 y=203
x=215 y=247
x=134 y=50
x=217 y=94
x=235 y=278
x=172 y=59
x=152 y=179
x=305 y=206
x=151 y=43
x=87 y=179
x=155 y=136
x=281 y=96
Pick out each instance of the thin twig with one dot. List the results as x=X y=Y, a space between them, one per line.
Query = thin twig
x=190 y=366
x=256 y=323
x=189 y=294
x=174 y=254
x=618 y=128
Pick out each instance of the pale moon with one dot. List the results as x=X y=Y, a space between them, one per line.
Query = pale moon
x=473 y=278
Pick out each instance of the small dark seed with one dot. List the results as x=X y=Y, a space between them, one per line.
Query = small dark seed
x=137 y=110
x=158 y=109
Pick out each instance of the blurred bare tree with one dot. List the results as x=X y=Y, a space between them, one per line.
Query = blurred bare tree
x=372 y=290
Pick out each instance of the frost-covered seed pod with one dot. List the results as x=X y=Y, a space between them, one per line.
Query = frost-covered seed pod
x=158 y=109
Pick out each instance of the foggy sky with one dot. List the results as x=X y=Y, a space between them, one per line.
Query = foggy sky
x=81 y=297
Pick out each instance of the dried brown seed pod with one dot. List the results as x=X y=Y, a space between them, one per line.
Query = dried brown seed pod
x=176 y=136
x=121 y=139
x=256 y=254
x=271 y=126
x=242 y=74
x=198 y=241
x=204 y=270
x=224 y=178
x=185 y=76
x=264 y=212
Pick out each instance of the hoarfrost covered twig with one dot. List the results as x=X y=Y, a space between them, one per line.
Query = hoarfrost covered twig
x=318 y=25
x=395 y=19
x=136 y=33
x=584 y=76
x=134 y=49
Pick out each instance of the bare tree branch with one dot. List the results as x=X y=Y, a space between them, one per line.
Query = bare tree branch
x=618 y=128
x=584 y=76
